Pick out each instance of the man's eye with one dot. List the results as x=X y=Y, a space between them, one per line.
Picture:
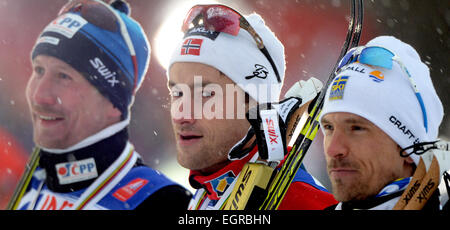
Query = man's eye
x=357 y=128
x=64 y=76
x=39 y=70
x=327 y=127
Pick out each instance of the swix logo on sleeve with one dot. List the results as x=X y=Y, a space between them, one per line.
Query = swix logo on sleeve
x=71 y=172
x=272 y=134
x=191 y=46
x=67 y=25
x=126 y=192
x=109 y=76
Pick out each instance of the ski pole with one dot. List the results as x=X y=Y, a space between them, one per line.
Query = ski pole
x=21 y=187
x=281 y=183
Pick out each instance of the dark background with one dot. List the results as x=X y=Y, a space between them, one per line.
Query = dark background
x=312 y=32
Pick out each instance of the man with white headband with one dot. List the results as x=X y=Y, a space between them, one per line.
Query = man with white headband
x=87 y=65
x=216 y=144
x=373 y=120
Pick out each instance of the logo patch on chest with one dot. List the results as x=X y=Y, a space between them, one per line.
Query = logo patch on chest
x=75 y=171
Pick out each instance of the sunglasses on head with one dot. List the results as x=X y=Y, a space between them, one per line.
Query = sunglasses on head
x=105 y=17
x=221 y=18
x=381 y=57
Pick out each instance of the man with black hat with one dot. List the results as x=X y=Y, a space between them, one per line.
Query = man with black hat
x=87 y=66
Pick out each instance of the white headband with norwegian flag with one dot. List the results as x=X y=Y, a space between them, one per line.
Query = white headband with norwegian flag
x=238 y=57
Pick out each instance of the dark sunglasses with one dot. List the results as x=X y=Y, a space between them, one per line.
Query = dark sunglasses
x=382 y=57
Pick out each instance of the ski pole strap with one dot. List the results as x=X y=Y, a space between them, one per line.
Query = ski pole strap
x=413 y=186
x=269 y=121
x=284 y=177
x=272 y=139
x=269 y=124
x=293 y=161
x=427 y=187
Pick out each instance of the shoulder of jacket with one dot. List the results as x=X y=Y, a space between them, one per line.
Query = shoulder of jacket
x=139 y=184
x=303 y=176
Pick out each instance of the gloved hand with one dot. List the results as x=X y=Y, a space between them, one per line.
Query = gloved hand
x=272 y=123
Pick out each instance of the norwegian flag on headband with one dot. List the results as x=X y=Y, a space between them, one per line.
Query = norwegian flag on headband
x=191 y=46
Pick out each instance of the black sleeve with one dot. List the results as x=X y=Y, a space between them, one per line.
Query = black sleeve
x=173 y=197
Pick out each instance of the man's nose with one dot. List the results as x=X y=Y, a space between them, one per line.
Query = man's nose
x=336 y=144
x=182 y=112
x=42 y=91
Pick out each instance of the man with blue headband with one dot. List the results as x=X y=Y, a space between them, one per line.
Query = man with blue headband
x=87 y=65
x=380 y=112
